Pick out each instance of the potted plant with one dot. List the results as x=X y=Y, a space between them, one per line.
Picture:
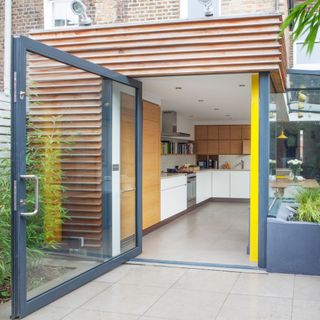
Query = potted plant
x=293 y=237
x=295 y=166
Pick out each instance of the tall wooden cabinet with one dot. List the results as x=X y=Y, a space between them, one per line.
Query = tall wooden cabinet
x=151 y=164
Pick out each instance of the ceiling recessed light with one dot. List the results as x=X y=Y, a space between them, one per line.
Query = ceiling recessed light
x=216 y=109
x=178 y=88
x=241 y=85
x=227 y=115
x=200 y=100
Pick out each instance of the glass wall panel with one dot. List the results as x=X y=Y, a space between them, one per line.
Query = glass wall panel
x=295 y=149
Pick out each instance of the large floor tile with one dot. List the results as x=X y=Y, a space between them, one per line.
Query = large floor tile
x=244 y=307
x=307 y=288
x=82 y=314
x=214 y=233
x=117 y=274
x=49 y=313
x=126 y=298
x=153 y=276
x=207 y=280
x=187 y=305
x=305 y=310
x=81 y=295
x=270 y=285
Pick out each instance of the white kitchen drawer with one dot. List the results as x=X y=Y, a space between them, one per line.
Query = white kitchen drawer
x=173 y=201
x=240 y=184
x=172 y=182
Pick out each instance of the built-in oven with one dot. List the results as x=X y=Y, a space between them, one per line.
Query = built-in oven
x=191 y=189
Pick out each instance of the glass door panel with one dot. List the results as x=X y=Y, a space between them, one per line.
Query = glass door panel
x=75 y=177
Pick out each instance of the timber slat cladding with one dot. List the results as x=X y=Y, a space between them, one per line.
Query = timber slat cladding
x=208 y=46
x=70 y=100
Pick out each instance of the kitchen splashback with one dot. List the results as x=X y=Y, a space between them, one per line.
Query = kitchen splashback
x=234 y=160
x=170 y=161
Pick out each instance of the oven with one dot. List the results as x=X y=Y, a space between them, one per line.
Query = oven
x=191 y=189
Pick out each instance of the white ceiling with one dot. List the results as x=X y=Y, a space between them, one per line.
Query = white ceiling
x=230 y=93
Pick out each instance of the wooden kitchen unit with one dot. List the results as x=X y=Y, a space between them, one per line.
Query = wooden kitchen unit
x=222 y=139
x=151 y=164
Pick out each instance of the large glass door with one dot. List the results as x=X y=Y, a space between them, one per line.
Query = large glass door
x=76 y=179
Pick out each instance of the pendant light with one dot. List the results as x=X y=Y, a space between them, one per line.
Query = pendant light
x=282 y=135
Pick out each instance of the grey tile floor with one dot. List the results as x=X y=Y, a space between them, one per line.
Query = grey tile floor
x=216 y=232
x=137 y=292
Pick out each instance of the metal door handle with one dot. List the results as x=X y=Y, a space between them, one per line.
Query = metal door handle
x=36 y=207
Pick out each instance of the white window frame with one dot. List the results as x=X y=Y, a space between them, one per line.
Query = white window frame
x=184 y=10
x=305 y=66
x=48 y=15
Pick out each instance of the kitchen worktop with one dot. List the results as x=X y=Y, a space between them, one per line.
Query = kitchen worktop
x=171 y=175
x=233 y=169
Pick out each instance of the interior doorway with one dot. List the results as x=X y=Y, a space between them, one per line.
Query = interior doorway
x=205 y=124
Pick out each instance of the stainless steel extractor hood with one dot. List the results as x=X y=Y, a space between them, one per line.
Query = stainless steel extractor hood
x=170 y=125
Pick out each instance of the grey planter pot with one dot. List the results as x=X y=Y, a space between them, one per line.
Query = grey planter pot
x=293 y=247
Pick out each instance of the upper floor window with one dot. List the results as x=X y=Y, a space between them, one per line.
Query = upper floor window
x=190 y=9
x=58 y=13
x=303 y=60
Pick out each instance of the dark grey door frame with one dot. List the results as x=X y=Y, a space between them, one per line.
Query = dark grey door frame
x=264 y=153
x=21 y=46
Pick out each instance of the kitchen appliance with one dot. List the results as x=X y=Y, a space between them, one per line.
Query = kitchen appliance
x=191 y=189
x=170 y=125
x=202 y=164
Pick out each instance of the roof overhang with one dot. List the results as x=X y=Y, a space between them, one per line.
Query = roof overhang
x=223 y=45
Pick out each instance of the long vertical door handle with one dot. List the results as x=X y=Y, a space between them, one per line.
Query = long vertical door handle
x=36 y=207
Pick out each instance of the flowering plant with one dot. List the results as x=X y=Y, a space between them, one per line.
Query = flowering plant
x=295 y=166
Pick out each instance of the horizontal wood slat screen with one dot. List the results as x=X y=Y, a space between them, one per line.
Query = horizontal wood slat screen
x=208 y=46
x=64 y=103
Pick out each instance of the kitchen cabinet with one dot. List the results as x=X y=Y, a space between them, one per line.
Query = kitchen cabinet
x=202 y=147
x=224 y=132
x=173 y=195
x=151 y=164
x=224 y=146
x=246 y=147
x=213 y=147
x=246 y=132
x=236 y=132
x=240 y=184
x=220 y=184
x=213 y=133
x=201 y=132
x=204 y=190
x=236 y=147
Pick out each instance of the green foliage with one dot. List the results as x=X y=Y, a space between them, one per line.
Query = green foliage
x=5 y=228
x=43 y=231
x=308 y=201
x=305 y=19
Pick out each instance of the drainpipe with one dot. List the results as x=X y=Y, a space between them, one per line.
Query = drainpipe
x=276 y=6
x=7 y=46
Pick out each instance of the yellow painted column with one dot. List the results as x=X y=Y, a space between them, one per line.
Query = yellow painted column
x=254 y=170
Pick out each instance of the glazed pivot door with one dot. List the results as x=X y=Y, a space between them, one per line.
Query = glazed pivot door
x=76 y=173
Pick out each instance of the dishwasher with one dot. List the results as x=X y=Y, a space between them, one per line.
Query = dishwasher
x=191 y=189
